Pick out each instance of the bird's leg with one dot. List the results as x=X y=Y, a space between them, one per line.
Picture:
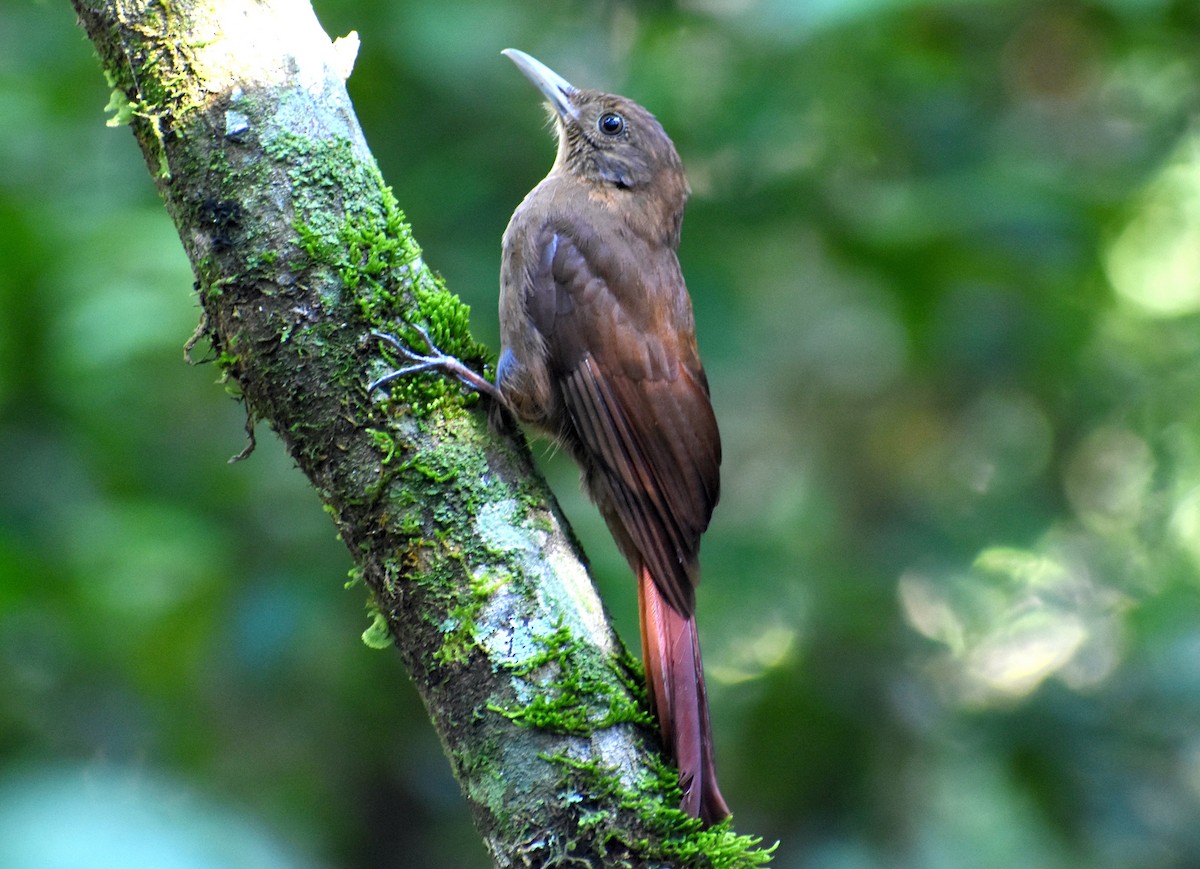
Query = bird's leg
x=432 y=359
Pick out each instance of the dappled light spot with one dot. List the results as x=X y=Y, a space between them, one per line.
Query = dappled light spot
x=929 y=612
x=1013 y=621
x=1154 y=262
x=1024 y=651
x=756 y=655
x=1185 y=523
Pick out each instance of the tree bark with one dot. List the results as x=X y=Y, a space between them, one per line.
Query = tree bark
x=299 y=252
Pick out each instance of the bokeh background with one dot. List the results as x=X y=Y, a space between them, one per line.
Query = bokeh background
x=945 y=259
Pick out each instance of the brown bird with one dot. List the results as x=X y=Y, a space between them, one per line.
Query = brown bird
x=599 y=352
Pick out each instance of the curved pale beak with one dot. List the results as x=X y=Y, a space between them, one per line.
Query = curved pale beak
x=557 y=90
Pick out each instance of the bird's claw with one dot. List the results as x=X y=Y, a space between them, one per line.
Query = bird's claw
x=404 y=349
x=433 y=358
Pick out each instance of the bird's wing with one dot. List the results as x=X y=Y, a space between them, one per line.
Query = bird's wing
x=623 y=347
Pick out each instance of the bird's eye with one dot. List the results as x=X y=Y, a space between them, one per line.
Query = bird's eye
x=611 y=123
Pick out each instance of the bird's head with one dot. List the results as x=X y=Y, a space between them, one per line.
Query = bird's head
x=606 y=139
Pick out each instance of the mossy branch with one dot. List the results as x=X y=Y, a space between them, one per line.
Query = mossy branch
x=300 y=251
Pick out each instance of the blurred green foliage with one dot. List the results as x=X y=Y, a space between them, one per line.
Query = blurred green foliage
x=945 y=258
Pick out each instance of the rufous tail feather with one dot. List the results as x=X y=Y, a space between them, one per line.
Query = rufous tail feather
x=675 y=678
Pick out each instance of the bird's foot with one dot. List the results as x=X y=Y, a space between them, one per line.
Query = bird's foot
x=432 y=359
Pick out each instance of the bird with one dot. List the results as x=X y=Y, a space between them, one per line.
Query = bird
x=599 y=352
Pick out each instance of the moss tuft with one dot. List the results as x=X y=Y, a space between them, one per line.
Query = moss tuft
x=371 y=249
x=573 y=697
x=670 y=836
x=376 y=636
x=459 y=630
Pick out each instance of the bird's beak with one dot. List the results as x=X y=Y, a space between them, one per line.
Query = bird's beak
x=553 y=86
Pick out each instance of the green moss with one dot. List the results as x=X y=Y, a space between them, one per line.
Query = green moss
x=463 y=467
x=377 y=636
x=319 y=248
x=371 y=249
x=436 y=495
x=410 y=523
x=385 y=443
x=123 y=109
x=486 y=780
x=459 y=630
x=576 y=698
x=671 y=837
x=154 y=85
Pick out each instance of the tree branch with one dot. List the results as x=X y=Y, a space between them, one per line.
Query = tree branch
x=299 y=252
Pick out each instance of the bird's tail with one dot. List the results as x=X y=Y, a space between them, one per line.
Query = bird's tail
x=675 y=677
